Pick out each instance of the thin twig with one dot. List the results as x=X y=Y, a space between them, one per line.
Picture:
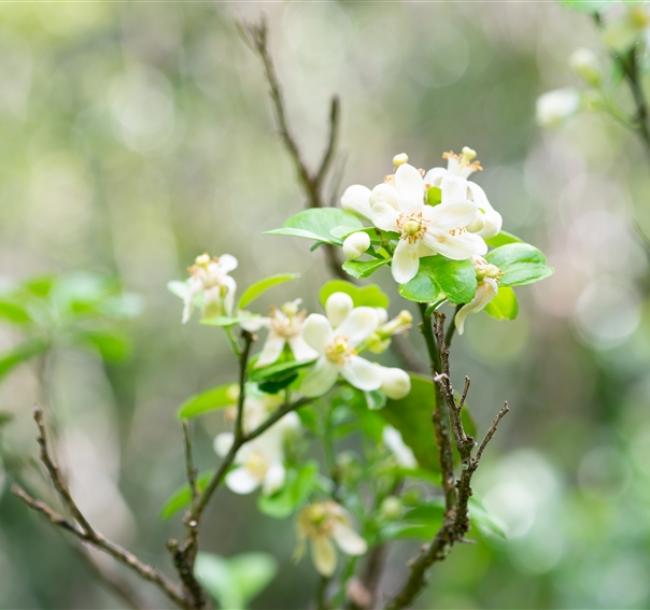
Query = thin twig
x=83 y=530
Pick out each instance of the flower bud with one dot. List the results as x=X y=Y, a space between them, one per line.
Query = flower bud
x=400 y=159
x=396 y=383
x=555 y=106
x=585 y=64
x=391 y=508
x=355 y=245
x=337 y=307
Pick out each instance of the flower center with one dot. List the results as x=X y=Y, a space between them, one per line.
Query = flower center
x=287 y=324
x=339 y=350
x=257 y=465
x=412 y=226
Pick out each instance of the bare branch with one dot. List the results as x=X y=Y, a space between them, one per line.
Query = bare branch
x=83 y=530
x=491 y=431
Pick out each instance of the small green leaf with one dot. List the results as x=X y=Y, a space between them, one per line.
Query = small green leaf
x=501 y=239
x=422 y=522
x=411 y=415
x=434 y=195
x=318 y=223
x=223 y=321
x=214 y=398
x=182 y=497
x=520 y=264
x=112 y=345
x=256 y=290
x=21 y=353
x=297 y=488
x=277 y=371
x=421 y=289
x=361 y=269
x=504 y=305
x=457 y=279
x=14 y=312
x=586 y=6
x=235 y=581
x=362 y=296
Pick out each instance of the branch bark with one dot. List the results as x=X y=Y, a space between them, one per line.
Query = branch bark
x=81 y=528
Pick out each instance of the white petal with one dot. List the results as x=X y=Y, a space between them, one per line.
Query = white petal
x=227 y=263
x=362 y=374
x=317 y=331
x=323 y=555
x=485 y=292
x=406 y=262
x=337 y=307
x=402 y=452
x=348 y=540
x=384 y=216
x=271 y=351
x=454 y=189
x=356 y=198
x=457 y=247
x=252 y=322
x=434 y=176
x=452 y=215
x=395 y=383
x=274 y=478
x=229 y=299
x=223 y=443
x=385 y=194
x=301 y=351
x=320 y=379
x=241 y=481
x=358 y=325
x=410 y=187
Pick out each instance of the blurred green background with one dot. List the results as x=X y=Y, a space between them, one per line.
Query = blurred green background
x=137 y=135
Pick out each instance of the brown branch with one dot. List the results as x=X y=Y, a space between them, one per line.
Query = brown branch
x=83 y=530
x=455 y=523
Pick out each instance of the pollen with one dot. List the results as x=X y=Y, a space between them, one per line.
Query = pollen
x=412 y=226
x=339 y=351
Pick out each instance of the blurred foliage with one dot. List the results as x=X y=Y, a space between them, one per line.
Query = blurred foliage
x=139 y=135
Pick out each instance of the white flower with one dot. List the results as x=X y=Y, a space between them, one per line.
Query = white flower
x=209 y=286
x=259 y=463
x=336 y=338
x=585 y=64
x=395 y=383
x=488 y=287
x=398 y=205
x=402 y=452
x=555 y=106
x=453 y=183
x=355 y=244
x=285 y=326
x=323 y=524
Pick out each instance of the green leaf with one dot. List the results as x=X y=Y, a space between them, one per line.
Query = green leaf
x=298 y=487
x=504 y=305
x=434 y=195
x=586 y=6
x=214 y=398
x=361 y=269
x=318 y=224
x=113 y=346
x=21 y=353
x=421 y=289
x=422 y=522
x=182 y=497
x=483 y=521
x=362 y=296
x=13 y=312
x=256 y=290
x=457 y=279
x=234 y=582
x=520 y=264
x=411 y=415
x=224 y=321
x=277 y=371
x=501 y=239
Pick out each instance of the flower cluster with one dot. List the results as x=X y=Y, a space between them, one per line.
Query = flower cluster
x=437 y=212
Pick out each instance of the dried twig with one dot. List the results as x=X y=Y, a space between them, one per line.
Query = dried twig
x=458 y=490
x=81 y=527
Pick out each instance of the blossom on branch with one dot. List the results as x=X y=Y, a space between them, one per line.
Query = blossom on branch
x=325 y=524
